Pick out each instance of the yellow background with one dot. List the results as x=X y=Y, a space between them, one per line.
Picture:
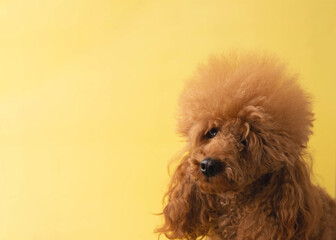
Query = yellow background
x=88 y=94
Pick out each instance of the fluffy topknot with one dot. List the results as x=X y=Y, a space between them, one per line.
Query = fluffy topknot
x=225 y=85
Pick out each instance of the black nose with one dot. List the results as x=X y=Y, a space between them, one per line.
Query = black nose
x=210 y=167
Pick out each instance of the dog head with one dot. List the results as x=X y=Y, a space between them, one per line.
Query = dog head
x=243 y=117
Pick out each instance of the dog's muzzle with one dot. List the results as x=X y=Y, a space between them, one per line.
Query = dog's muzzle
x=210 y=167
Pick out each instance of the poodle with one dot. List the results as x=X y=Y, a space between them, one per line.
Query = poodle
x=245 y=173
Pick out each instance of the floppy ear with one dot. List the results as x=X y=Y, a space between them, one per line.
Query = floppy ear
x=292 y=201
x=296 y=203
x=254 y=115
x=289 y=208
x=186 y=213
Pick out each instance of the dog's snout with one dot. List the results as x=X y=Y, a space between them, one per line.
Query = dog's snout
x=210 y=167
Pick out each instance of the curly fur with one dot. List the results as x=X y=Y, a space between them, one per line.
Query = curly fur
x=265 y=189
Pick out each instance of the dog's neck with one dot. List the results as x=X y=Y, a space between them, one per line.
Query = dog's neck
x=247 y=195
x=234 y=204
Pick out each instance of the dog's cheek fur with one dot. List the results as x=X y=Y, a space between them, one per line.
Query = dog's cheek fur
x=189 y=212
x=268 y=145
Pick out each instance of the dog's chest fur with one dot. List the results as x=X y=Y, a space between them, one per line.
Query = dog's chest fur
x=230 y=216
x=236 y=211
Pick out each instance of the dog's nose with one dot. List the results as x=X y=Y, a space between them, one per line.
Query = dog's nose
x=210 y=167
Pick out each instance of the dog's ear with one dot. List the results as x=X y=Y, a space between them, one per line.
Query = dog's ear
x=186 y=213
x=254 y=115
x=296 y=204
x=290 y=207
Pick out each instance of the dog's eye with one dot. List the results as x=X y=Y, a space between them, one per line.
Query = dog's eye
x=212 y=133
x=244 y=142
